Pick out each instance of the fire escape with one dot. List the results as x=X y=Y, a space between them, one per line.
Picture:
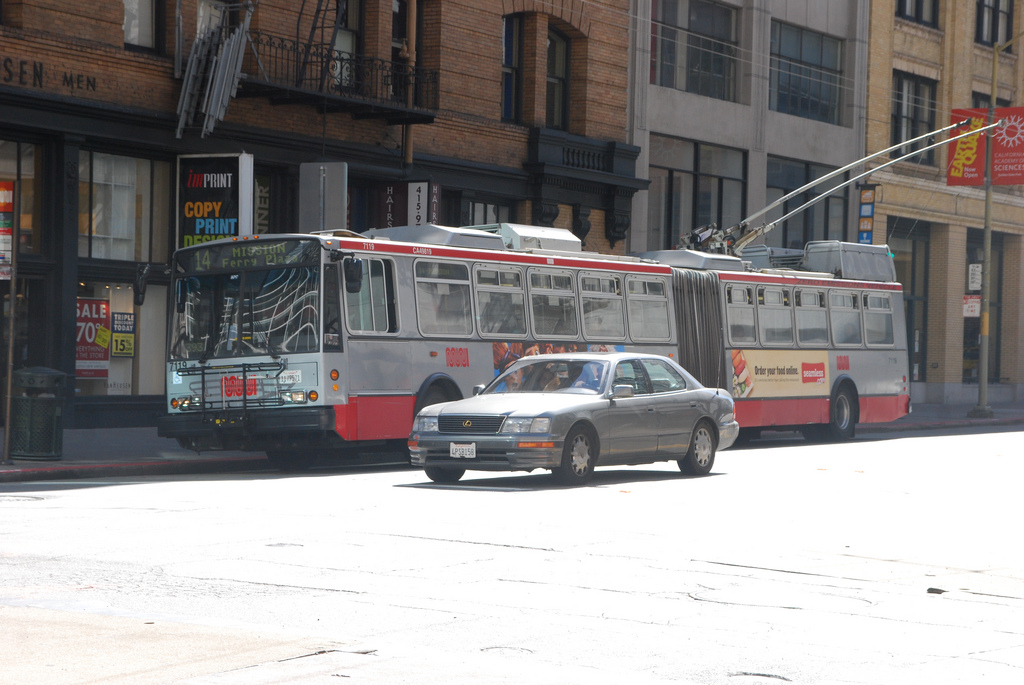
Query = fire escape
x=229 y=60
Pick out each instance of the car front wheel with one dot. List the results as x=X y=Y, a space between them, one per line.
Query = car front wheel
x=439 y=475
x=700 y=457
x=578 y=457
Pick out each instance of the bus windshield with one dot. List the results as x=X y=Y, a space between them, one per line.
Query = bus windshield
x=246 y=313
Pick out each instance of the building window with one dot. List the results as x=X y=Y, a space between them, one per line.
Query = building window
x=123 y=208
x=21 y=188
x=921 y=11
x=825 y=220
x=692 y=185
x=693 y=47
x=512 y=68
x=805 y=73
x=993 y=22
x=982 y=101
x=476 y=213
x=141 y=19
x=558 y=80
x=913 y=112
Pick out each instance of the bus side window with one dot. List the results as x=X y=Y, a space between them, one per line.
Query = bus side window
x=500 y=301
x=332 y=309
x=878 y=319
x=443 y=304
x=647 y=309
x=553 y=304
x=740 y=315
x=845 y=315
x=372 y=309
x=775 y=316
x=602 y=307
x=811 y=318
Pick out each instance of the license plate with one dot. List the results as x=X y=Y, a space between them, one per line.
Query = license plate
x=463 y=451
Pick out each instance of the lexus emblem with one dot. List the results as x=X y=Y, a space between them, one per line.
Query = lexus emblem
x=467 y=423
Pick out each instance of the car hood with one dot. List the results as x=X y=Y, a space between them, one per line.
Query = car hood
x=518 y=404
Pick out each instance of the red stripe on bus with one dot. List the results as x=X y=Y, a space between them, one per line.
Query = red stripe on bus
x=883 y=409
x=375 y=418
x=498 y=256
x=800 y=411
x=805 y=281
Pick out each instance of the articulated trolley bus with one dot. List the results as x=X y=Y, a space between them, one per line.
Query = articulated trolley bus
x=307 y=345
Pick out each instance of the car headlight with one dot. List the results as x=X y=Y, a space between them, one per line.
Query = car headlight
x=425 y=424
x=526 y=425
x=727 y=418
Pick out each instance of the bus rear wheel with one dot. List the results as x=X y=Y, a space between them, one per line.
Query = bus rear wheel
x=290 y=460
x=842 y=415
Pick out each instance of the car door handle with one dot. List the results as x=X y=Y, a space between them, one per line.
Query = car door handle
x=650 y=409
x=693 y=404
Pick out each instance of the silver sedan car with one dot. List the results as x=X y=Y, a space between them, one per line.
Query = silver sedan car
x=571 y=412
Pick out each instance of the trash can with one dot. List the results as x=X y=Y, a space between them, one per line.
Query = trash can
x=37 y=427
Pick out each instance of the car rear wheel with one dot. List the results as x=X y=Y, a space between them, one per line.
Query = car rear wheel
x=700 y=457
x=439 y=475
x=578 y=457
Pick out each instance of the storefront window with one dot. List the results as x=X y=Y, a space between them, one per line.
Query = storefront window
x=908 y=241
x=21 y=164
x=123 y=207
x=119 y=349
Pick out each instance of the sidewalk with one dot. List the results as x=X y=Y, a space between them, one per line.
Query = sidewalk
x=119 y=452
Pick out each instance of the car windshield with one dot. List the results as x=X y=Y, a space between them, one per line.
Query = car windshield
x=563 y=375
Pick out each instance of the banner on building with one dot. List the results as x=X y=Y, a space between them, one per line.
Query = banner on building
x=92 y=338
x=966 y=166
x=215 y=197
x=6 y=228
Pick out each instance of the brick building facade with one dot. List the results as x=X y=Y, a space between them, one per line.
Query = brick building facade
x=513 y=110
x=926 y=59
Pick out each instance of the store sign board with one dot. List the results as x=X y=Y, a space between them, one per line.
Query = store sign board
x=972 y=306
x=92 y=340
x=215 y=197
x=966 y=166
x=6 y=228
x=122 y=334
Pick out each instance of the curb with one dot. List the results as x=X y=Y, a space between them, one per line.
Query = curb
x=937 y=425
x=144 y=468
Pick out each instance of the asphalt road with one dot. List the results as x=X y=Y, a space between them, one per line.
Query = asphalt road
x=878 y=561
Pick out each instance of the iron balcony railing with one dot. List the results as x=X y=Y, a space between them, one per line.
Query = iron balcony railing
x=367 y=85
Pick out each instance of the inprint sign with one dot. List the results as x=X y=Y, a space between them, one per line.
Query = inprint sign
x=966 y=166
x=214 y=197
x=92 y=341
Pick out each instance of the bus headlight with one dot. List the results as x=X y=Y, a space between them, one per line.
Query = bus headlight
x=425 y=424
x=526 y=425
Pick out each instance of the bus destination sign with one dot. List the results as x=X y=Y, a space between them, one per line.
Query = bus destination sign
x=230 y=256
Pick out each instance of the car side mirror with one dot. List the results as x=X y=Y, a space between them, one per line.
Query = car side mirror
x=622 y=391
x=477 y=389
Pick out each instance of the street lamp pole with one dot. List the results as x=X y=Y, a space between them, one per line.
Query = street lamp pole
x=983 y=410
